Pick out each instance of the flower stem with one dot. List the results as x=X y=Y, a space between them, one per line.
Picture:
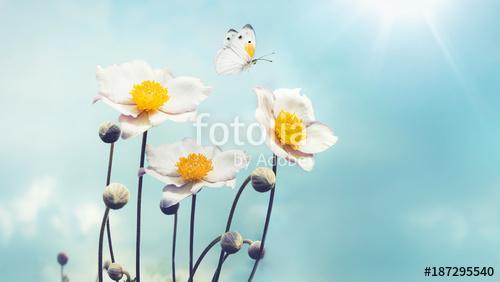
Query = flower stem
x=205 y=252
x=62 y=275
x=108 y=180
x=191 y=235
x=101 y=235
x=266 y=225
x=228 y=225
x=139 y=195
x=173 y=247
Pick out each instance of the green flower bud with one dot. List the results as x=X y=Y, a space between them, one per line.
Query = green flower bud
x=168 y=210
x=62 y=258
x=115 y=196
x=115 y=271
x=109 y=132
x=253 y=250
x=263 y=179
x=231 y=242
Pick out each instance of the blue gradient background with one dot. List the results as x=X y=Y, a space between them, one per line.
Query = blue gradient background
x=413 y=181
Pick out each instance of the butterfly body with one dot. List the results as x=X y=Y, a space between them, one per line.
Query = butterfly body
x=238 y=51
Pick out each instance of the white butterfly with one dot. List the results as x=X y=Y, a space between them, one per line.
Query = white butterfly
x=238 y=51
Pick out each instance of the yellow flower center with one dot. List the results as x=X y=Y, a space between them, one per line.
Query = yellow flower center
x=289 y=129
x=149 y=95
x=194 y=167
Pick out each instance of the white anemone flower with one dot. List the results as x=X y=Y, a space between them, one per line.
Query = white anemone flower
x=146 y=97
x=185 y=167
x=292 y=131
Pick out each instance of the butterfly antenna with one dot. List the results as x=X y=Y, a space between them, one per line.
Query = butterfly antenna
x=260 y=58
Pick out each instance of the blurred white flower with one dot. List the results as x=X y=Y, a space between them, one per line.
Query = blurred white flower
x=292 y=131
x=186 y=167
x=146 y=97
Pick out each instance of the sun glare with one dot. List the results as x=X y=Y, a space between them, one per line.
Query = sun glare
x=392 y=10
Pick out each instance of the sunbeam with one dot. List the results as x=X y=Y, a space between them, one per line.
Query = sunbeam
x=436 y=33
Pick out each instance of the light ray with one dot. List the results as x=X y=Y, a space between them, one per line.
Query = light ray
x=379 y=46
x=438 y=37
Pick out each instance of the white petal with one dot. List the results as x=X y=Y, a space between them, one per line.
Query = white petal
x=128 y=110
x=173 y=195
x=273 y=144
x=162 y=76
x=197 y=187
x=304 y=160
x=306 y=163
x=167 y=179
x=291 y=101
x=163 y=158
x=132 y=127
x=318 y=138
x=264 y=111
x=186 y=93
x=191 y=146
x=226 y=165
x=157 y=117
x=228 y=183
x=182 y=117
x=116 y=81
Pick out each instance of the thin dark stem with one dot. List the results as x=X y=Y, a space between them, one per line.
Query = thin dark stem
x=101 y=237
x=108 y=180
x=110 y=243
x=191 y=236
x=235 y=203
x=62 y=275
x=225 y=257
x=228 y=225
x=139 y=195
x=110 y=163
x=223 y=260
x=266 y=225
x=205 y=252
x=173 y=247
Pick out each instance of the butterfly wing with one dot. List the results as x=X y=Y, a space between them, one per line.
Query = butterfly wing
x=244 y=43
x=227 y=61
x=230 y=34
x=238 y=51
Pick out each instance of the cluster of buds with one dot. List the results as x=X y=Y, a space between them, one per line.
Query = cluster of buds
x=232 y=241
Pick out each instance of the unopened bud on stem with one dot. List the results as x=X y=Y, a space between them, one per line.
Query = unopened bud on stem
x=263 y=179
x=254 y=249
x=109 y=132
x=115 y=271
x=231 y=242
x=62 y=259
x=168 y=210
x=115 y=196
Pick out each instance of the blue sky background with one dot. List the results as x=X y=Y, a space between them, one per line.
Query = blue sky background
x=412 y=182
